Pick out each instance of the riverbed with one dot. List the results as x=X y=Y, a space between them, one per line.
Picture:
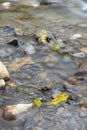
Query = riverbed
x=43 y=71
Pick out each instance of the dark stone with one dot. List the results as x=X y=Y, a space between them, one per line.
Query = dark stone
x=8 y=29
x=13 y=42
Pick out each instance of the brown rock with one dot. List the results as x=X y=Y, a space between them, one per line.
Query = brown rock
x=82 y=67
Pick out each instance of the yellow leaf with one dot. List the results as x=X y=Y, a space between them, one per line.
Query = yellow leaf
x=43 y=37
x=60 y=98
x=11 y=84
x=37 y=102
x=57 y=48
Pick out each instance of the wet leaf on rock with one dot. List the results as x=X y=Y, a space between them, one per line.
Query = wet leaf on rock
x=37 y=102
x=11 y=84
x=18 y=63
x=60 y=98
x=43 y=37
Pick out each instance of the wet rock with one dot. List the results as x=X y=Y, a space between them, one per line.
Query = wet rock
x=83 y=104
x=76 y=36
x=36 y=128
x=18 y=32
x=6 y=53
x=60 y=43
x=82 y=67
x=34 y=3
x=83 y=114
x=2 y=82
x=4 y=74
x=6 y=5
x=84 y=50
x=79 y=55
x=67 y=50
x=72 y=125
x=2 y=53
x=60 y=110
x=29 y=50
x=10 y=112
x=18 y=63
x=13 y=42
x=44 y=37
x=66 y=59
x=66 y=114
x=55 y=93
x=8 y=30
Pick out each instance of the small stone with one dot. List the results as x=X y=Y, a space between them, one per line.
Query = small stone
x=18 y=31
x=84 y=50
x=36 y=128
x=60 y=43
x=60 y=110
x=76 y=36
x=4 y=74
x=29 y=50
x=13 y=42
x=55 y=93
x=66 y=59
x=6 y=5
x=2 y=83
x=10 y=112
x=79 y=55
x=8 y=30
x=2 y=53
x=82 y=67
x=83 y=114
x=66 y=114
x=72 y=125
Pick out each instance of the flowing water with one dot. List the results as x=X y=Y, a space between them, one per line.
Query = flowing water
x=46 y=67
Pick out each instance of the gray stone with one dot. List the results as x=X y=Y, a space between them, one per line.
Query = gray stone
x=72 y=125
x=66 y=59
x=83 y=114
x=79 y=55
x=29 y=49
x=66 y=114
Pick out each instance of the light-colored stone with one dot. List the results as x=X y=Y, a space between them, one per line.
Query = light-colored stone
x=29 y=50
x=36 y=128
x=4 y=74
x=10 y=112
x=2 y=82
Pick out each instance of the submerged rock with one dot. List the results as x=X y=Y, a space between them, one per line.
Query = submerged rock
x=29 y=49
x=36 y=128
x=34 y=3
x=4 y=74
x=10 y=112
x=79 y=55
x=82 y=67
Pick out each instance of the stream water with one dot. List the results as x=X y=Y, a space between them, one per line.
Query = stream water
x=45 y=67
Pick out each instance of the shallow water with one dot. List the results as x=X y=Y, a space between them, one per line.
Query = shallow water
x=45 y=68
